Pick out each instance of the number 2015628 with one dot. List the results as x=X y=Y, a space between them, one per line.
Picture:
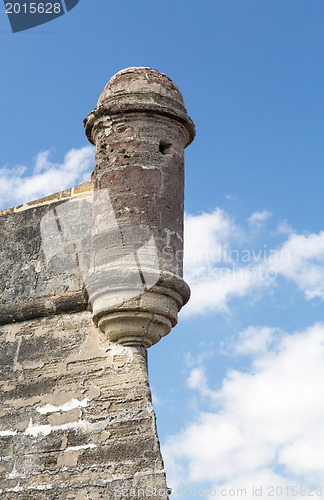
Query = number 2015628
x=33 y=8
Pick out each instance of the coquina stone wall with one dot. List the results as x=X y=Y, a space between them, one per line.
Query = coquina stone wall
x=76 y=417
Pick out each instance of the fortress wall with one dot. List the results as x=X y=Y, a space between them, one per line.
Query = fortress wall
x=76 y=417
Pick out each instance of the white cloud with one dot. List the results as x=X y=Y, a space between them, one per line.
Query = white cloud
x=210 y=265
x=46 y=178
x=269 y=424
x=254 y=340
x=213 y=292
x=301 y=259
x=218 y=268
x=284 y=227
x=205 y=236
x=258 y=218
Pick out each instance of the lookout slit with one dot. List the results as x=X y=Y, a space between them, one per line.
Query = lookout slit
x=165 y=147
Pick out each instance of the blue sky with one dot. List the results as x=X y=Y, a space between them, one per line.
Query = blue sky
x=237 y=384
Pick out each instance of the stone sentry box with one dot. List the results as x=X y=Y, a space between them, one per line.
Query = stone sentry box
x=90 y=278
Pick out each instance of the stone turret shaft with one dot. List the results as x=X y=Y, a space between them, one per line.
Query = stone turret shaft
x=140 y=128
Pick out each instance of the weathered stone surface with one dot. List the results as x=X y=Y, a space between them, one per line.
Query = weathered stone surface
x=43 y=254
x=76 y=416
x=140 y=128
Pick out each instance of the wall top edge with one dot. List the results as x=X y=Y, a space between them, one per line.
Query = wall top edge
x=78 y=191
